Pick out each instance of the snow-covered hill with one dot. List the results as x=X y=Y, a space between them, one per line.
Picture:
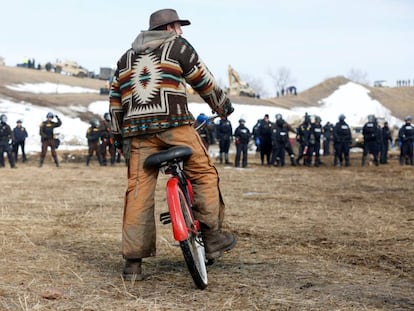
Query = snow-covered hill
x=350 y=99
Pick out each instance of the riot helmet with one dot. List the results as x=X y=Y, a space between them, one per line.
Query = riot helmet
x=50 y=115
x=371 y=118
x=94 y=122
x=3 y=118
x=107 y=116
x=202 y=118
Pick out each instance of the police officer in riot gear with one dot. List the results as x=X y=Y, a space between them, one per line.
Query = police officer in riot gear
x=386 y=141
x=315 y=135
x=48 y=138
x=224 y=135
x=371 y=139
x=20 y=135
x=406 y=137
x=94 y=135
x=6 y=138
x=242 y=137
x=342 y=141
x=302 y=137
x=281 y=142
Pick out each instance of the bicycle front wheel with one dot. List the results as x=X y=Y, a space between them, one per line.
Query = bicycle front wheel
x=193 y=247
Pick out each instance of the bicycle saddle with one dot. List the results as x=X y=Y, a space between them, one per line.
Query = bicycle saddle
x=161 y=158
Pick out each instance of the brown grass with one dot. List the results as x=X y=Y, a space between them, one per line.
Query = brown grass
x=308 y=239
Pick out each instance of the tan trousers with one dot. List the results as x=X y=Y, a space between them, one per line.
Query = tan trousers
x=138 y=232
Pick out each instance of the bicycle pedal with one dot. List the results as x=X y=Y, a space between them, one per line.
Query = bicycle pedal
x=165 y=218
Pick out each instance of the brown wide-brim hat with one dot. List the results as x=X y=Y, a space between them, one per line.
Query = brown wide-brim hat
x=165 y=17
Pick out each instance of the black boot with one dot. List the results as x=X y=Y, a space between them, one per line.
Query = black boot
x=292 y=160
x=226 y=158
x=55 y=158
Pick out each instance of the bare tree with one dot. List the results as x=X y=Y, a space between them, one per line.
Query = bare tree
x=281 y=79
x=358 y=76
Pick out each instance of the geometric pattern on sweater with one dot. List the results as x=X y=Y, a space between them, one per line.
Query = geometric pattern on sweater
x=148 y=92
x=146 y=77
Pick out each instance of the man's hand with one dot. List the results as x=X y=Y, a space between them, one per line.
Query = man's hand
x=228 y=108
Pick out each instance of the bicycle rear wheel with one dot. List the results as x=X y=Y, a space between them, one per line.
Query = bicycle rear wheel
x=193 y=247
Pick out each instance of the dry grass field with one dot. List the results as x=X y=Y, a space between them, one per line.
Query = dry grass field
x=308 y=239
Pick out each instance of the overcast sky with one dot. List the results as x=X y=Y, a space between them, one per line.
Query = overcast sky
x=314 y=39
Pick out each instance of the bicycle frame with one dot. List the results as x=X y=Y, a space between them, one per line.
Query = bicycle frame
x=186 y=229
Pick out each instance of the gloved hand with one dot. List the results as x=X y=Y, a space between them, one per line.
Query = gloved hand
x=227 y=108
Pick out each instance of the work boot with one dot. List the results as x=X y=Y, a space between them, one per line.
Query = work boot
x=132 y=270
x=292 y=160
x=226 y=158
x=216 y=243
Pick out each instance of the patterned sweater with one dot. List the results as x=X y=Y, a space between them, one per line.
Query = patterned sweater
x=148 y=92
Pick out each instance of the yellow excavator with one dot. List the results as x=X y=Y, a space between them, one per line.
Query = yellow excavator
x=237 y=87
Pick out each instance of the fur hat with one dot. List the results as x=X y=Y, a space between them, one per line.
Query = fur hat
x=165 y=17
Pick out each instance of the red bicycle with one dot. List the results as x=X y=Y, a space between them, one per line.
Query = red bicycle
x=186 y=229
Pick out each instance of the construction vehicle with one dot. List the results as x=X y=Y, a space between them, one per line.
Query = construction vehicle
x=237 y=87
x=70 y=68
x=357 y=137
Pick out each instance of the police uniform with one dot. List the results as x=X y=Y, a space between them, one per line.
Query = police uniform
x=20 y=135
x=371 y=140
x=6 y=136
x=93 y=135
x=342 y=141
x=242 y=137
x=224 y=133
x=315 y=135
x=47 y=137
x=406 y=137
